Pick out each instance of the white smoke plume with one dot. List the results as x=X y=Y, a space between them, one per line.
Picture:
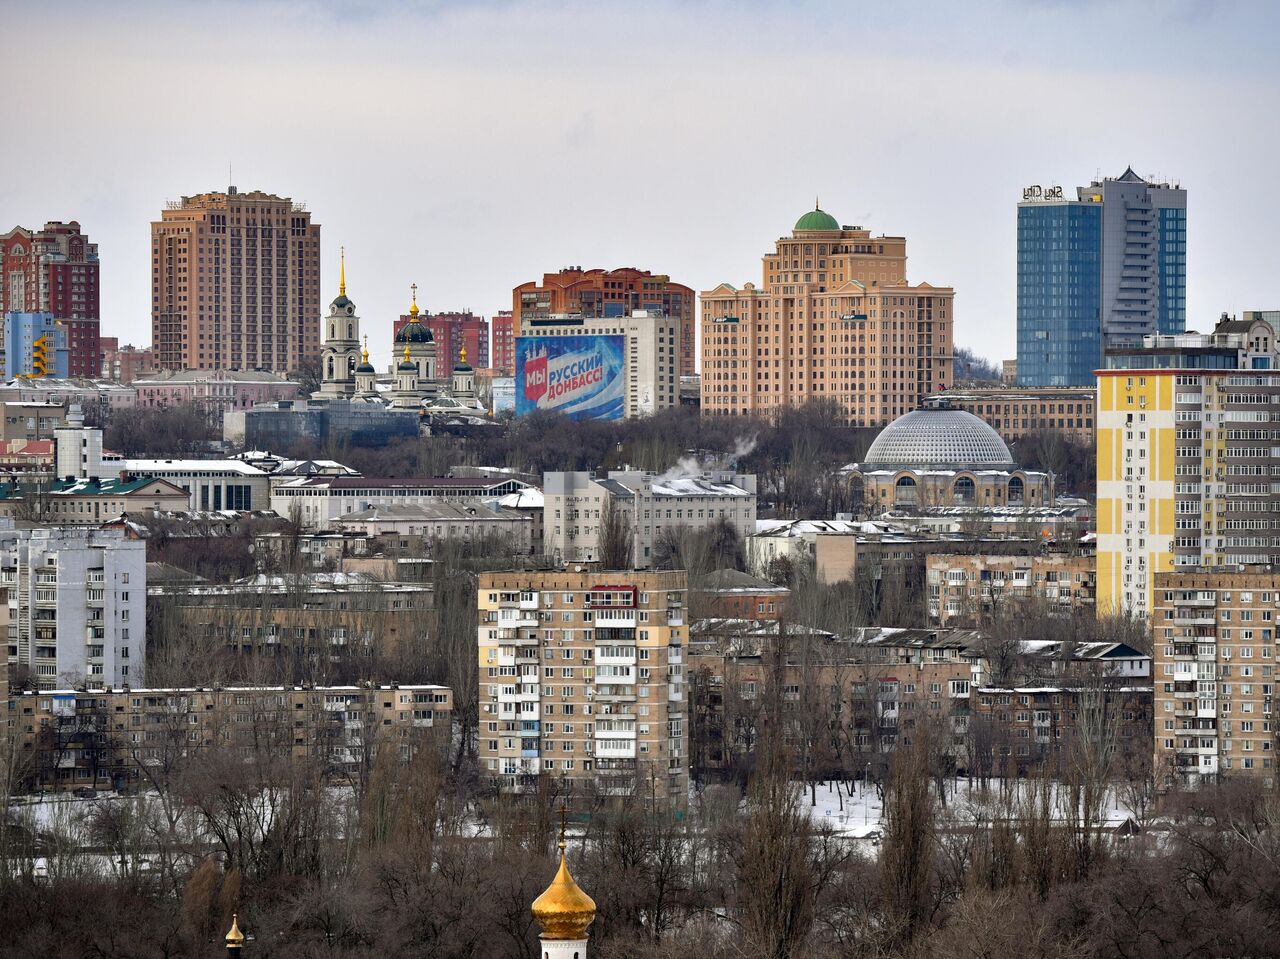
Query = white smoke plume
x=690 y=467
x=742 y=448
x=687 y=467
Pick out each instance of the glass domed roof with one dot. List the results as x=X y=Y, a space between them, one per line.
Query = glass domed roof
x=938 y=437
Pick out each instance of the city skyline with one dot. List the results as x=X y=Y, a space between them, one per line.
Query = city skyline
x=402 y=136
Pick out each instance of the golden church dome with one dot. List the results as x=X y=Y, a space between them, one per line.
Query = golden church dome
x=564 y=911
x=235 y=938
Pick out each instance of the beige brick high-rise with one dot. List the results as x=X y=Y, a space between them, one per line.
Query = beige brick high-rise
x=235 y=283
x=582 y=683
x=833 y=319
x=1213 y=637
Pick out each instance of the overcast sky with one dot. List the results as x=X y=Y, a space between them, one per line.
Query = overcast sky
x=471 y=146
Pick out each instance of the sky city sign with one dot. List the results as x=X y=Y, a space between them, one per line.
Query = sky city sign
x=1041 y=193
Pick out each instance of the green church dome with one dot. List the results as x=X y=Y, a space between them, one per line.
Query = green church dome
x=817 y=219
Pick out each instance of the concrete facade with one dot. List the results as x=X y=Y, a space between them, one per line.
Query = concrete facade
x=652 y=507
x=77 y=605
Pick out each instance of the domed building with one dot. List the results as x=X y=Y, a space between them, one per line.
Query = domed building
x=563 y=913
x=817 y=220
x=939 y=456
x=419 y=341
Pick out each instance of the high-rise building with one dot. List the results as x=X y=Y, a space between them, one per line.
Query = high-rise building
x=54 y=270
x=80 y=618
x=1102 y=270
x=833 y=319
x=454 y=332
x=503 y=353
x=1213 y=640
x=1186 y=457
x=235 y=283
x=608 y=718
x=603 y=294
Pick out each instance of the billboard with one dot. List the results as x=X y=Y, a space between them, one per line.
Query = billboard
x=578 y=376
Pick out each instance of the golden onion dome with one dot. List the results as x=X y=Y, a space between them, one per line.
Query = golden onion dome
x=564 y=911
x=235 y=938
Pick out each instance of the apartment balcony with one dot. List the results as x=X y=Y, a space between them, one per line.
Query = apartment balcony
x=615 y=694
x=510 y=634
x=1181 y=618
x=623 y=674
x=628 y=660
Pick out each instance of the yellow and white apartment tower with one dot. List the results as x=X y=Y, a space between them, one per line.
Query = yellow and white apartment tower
x=1188 y=458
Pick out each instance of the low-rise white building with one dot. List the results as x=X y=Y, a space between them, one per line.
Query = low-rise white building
x=314 y=502
x=654 y=506
x=77 y=601
x=229 y=484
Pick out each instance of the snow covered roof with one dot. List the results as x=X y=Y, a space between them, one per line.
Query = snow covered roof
x=693 y=486
x=814 y=527
x=157 y=467
x=529 y=498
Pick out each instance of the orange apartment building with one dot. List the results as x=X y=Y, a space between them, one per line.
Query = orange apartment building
x=235 y=283
x=833 y=319
x=609 y=293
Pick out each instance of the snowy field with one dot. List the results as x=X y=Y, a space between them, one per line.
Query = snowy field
x=851 y=810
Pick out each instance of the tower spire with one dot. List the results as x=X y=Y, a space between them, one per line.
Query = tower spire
x=364 y=353
x=342 y=271
x=413 y=307
x=816 y=206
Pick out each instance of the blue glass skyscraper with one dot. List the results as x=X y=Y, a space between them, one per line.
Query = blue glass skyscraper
x=1095 y=272
x=1059 y=293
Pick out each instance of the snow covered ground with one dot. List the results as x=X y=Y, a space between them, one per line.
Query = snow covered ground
x=850 y=809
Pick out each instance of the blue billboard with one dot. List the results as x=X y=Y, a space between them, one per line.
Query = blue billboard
x=578 y=376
